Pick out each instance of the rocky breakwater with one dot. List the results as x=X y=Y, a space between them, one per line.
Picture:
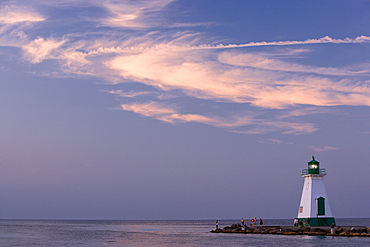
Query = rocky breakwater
x=346 y=231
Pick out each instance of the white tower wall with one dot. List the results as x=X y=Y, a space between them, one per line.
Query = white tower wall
x=313 y=188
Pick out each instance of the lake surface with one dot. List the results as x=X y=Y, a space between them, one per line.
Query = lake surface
x=162 y=233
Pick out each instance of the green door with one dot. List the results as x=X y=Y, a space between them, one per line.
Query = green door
x=321 y=206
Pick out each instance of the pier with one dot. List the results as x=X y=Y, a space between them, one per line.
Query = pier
x=345 y=231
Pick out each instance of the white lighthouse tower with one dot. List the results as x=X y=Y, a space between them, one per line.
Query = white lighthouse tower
x=314 y=209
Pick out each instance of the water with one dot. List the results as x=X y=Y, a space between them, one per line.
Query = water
x=52 y=233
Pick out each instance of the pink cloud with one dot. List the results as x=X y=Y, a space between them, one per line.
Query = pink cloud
x=163 y=112
x=321 y=148
x=262 y=61
x=132 y=14
x=130 y=94
x=40 y=49
x=10 y=14
x=175 y=64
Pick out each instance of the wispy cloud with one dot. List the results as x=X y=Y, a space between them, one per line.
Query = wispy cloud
x=40 y=49
x=172 y=62
x=243 y=124
x=170 y=114
x=165 y=113
x=128 y=94
x=265 y=62
x=204 y=75
x=11 y=14
x=323 y=40
x=304 y=111
x=211 y=76
x=263 y=127
x=13 y=17
x=321 y=148
x=131 y=14
x=273 y=141
x=150 y=109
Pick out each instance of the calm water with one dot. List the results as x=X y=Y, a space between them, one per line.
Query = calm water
x=52 y=233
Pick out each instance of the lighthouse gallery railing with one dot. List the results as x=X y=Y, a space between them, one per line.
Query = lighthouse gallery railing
x=313 y=171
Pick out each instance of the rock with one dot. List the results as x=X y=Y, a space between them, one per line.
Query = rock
x=286 y=230
x=319 y=230
x=227 y=229
x=216 y=231
x=306 y=229
x=237 y=230
x=362 y=230
x=259 y=230
x=234 y=226
x=291 y=230
x=338 y=230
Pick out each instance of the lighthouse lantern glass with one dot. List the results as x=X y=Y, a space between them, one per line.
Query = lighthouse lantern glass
x=313 y=166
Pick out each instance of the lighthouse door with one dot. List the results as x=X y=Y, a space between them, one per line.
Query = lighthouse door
x=320 y=206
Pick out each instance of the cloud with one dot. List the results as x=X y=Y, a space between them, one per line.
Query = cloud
x=229 y=77
x=165 y=113
x=242 y=124
x=14 y=17
x=304 y=111
x=10 y=14
x=151 y=109
x=176 y=64
x=204 y=75
x=265 y=62
x=273 y=141
x=169 y=69
x=321 y=148
x=171 y=114
x=263 y=127
x=40 y=49
x=323 y=40
x=130 y=94
x=131 y=14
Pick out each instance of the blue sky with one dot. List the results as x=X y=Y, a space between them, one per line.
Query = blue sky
x=190 y=109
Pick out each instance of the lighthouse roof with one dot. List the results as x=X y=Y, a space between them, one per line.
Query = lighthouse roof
x=313 y=161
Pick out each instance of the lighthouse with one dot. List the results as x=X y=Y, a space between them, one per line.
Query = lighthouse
x=314 y=209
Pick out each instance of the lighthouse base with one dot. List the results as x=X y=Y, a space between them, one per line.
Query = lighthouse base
x=317 y=221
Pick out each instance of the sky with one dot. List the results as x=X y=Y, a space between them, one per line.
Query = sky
x=182 y=109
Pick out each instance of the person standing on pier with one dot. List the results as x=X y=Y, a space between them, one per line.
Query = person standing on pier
x=261 y=222
x=295 y=222
x=332 y=231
